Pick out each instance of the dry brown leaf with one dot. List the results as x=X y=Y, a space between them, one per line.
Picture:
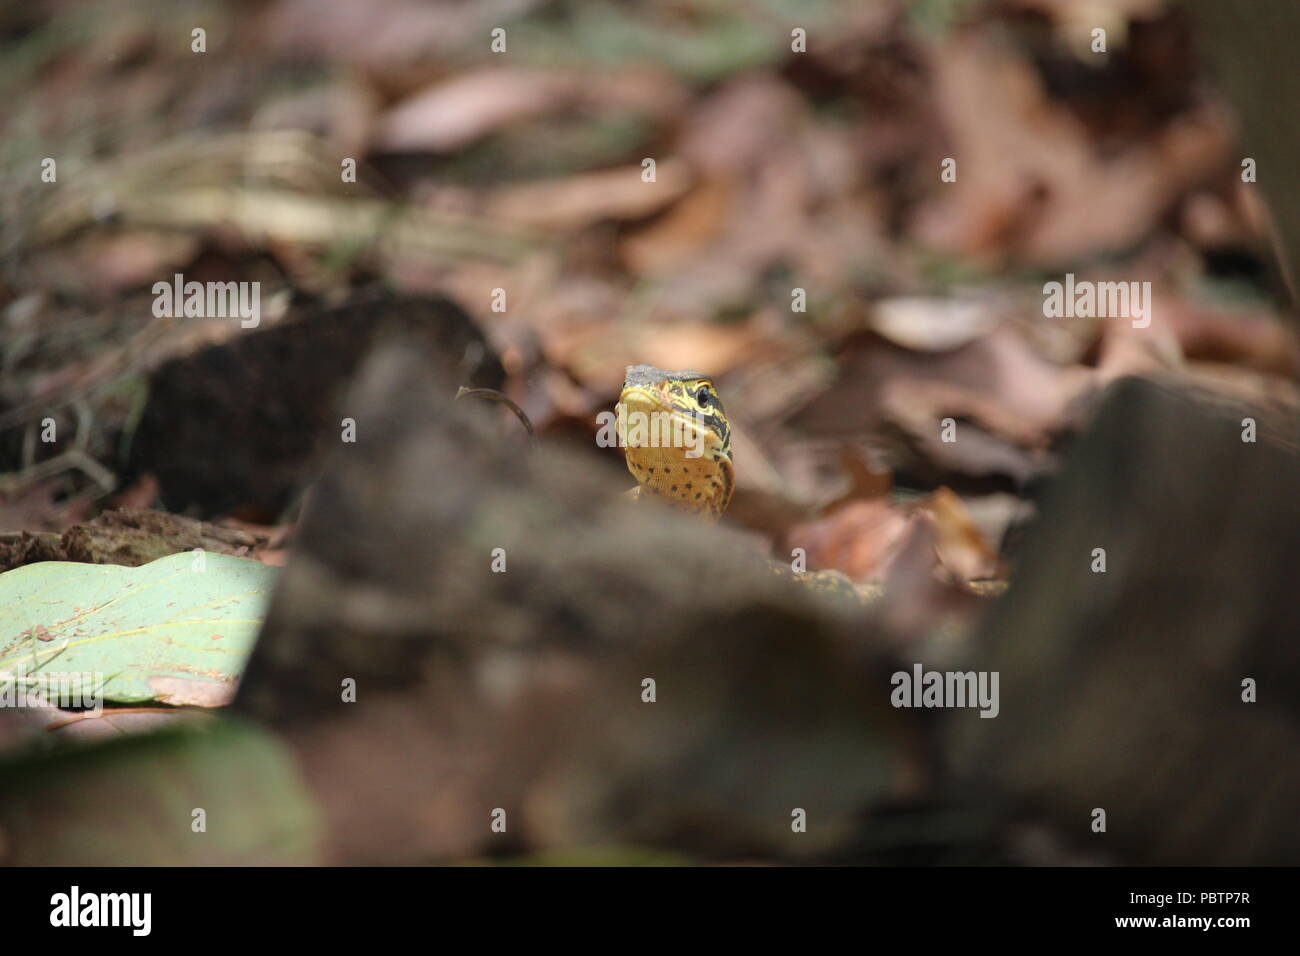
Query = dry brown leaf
x=178 y=691
x=857 y=539
x=866 y=480
x=597 y=352
x=113 y=264
x=929 y=324
x=960 y=544
x=777 y=192
x=587 y=198
x=697 y=220
x=1031 y=187
x=987 y=440
x=918 y=406
x=1248 y=336
x=466 y=107
x=1007 y=400
x=922 y=606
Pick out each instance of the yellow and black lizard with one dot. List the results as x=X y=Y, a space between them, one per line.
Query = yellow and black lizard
x=677 y=441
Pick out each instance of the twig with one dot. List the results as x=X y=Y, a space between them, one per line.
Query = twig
x=493 y=395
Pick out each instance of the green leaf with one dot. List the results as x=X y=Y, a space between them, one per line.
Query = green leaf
x=131 y=801
x=177 y=630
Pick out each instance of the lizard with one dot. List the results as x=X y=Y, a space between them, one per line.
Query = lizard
x=677 y=442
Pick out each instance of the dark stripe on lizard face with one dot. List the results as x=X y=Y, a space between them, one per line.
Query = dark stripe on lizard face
x=718 y=424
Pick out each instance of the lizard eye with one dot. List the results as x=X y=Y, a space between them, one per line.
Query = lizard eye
x=702 y=396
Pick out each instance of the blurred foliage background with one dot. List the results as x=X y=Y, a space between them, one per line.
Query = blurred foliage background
x=798 y=241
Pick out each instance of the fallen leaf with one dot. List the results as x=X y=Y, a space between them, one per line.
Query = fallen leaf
x=1032 y=187
x=856 y=539
x=466 y=107
x=577 y=201
x=960 y=544
x=140 y=633
x=928 y=324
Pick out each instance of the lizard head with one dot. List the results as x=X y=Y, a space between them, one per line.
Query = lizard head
x=677 y=438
